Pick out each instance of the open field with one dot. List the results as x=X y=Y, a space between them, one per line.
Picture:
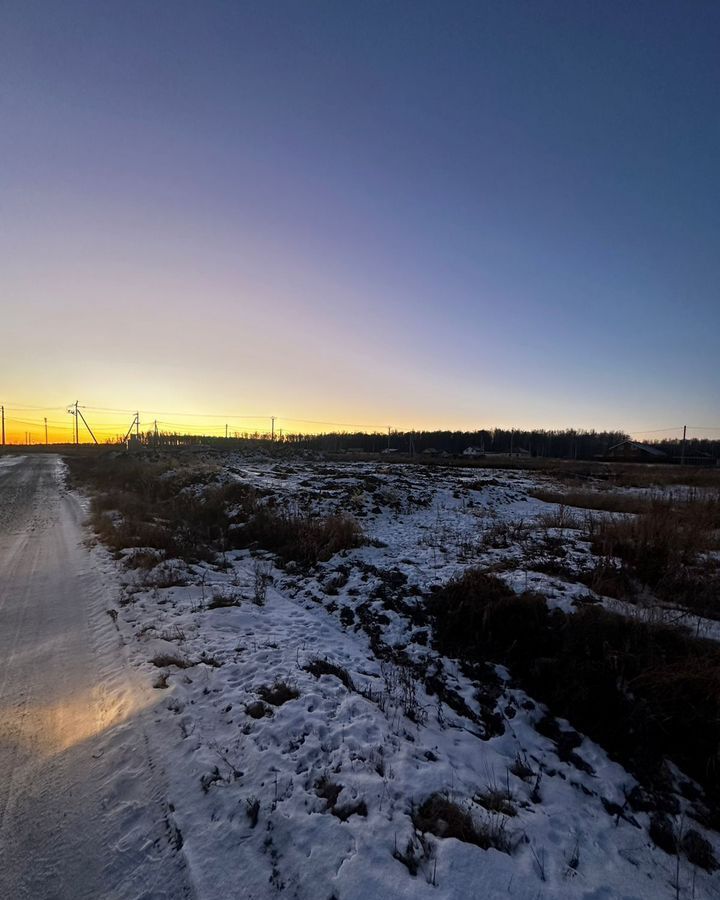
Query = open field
x=382 y=680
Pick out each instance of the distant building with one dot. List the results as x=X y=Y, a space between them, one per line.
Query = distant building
x=638 y=452
x=473 y=451
x=517 y=451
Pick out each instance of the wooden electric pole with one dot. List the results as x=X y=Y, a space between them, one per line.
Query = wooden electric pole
x=682 y=451
x=88 y=427
x=46 y=440
x=3 y=425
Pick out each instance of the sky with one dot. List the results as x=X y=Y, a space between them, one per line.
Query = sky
x=417 y=214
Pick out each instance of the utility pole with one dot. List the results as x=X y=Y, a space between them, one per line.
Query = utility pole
x=88 y=427
x=77 y=426
x=3 y=425
x=389 y=430
x=73 y=412
x=226 y=431
x=137 y=425
x=682 y=452
x=46 y=440
x=129 y=431
x=272 y=428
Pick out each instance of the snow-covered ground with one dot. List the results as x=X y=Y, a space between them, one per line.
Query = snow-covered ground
x=297 y=750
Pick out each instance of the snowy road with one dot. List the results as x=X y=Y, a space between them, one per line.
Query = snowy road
x=82 y=801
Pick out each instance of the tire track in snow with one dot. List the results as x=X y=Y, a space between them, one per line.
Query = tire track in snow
x=82 y=800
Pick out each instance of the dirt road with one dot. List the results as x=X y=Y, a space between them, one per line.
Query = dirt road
x=82 y=801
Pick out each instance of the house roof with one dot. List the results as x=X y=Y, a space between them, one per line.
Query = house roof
x=643 y=448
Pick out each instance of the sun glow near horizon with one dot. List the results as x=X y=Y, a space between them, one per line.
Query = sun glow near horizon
x=456 y=245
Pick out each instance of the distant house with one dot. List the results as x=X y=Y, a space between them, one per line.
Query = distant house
x=517 y=451
x=473 y=451
x=390 y=450
x=633 y=451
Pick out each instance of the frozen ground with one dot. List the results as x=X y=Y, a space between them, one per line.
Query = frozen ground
x=308 y=791
x=83 y=809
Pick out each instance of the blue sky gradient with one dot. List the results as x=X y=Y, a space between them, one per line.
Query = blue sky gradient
x=451 y=214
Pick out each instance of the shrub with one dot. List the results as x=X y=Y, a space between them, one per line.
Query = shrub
x=145 y=503
x=477 y=609
x=185 y=513
x=644 y=691
x=305 y=540
x=698 y=850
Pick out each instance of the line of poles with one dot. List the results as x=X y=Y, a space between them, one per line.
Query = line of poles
x=79 y=420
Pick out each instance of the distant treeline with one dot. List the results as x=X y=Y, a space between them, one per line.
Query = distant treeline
x=694 y=447
x=566 y=444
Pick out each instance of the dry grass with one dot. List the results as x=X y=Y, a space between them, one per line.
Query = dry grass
x=165 y=660
x=225 y=598
x=444 y=818
x=607 y=501
x=658 y=543
x=666 y=549
x=302 y=539
x=640 y=476
x=319 y=667
x=643 y=690
x=183 y=511
x=497 y=800
x=328 y=790
x=278 y=693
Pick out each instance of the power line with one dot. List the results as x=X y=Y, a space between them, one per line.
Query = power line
x=656 y=430
x=230 y=417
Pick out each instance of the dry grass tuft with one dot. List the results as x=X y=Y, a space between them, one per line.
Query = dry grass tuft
x=164 y=660
x=442 y=817
x=318 y=667
x=278 y=693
